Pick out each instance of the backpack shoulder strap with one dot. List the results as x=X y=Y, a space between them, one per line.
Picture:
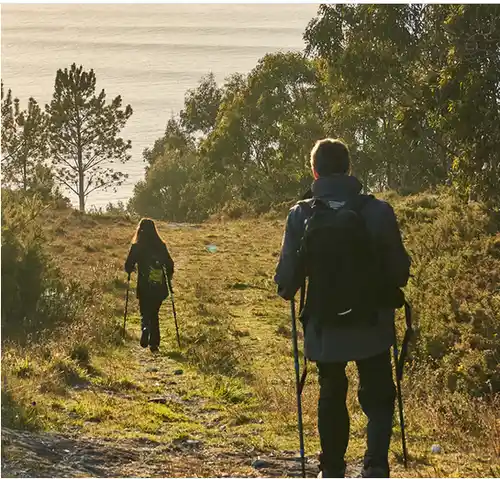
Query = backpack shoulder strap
x=311 y=203
x=358 y=202
x=309 y=206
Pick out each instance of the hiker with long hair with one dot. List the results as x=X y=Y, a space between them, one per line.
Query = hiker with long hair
x=151 y=255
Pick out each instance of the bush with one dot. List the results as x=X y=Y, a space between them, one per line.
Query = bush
x=454 y=292
x=173 y=191
x=237 y=209
x=18 y=415
x=51 y=325
x=34 y=296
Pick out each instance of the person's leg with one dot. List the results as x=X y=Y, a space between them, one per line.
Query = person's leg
x=145 y=321
x=333 y=418
x=376 y=395
x=154 y=339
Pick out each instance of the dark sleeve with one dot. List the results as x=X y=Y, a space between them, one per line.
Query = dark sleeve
x=169 y=263
x=289 y=275
x=395 y=258
x=131 y=259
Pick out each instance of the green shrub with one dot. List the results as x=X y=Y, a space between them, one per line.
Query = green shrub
x=454 y=290
x=35 y=298
x=18 y=415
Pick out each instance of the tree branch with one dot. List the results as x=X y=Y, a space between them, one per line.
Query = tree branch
x=100 y=186
x=63 y=160
x=12 y=154
x=64 y=182
x=89 y=163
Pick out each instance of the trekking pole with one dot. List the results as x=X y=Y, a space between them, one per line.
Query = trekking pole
x=301 y=307
x=126 y=306
x=298 y=386
x=173 y=310
x=400 y=398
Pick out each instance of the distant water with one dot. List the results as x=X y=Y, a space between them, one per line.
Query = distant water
x=149 y=54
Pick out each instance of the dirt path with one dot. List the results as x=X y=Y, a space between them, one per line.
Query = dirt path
x=27 y=454
x=164 y=381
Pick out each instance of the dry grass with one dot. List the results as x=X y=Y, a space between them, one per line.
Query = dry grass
x=237 y=389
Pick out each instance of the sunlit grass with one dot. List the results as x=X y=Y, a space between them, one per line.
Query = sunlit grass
x=236 y=386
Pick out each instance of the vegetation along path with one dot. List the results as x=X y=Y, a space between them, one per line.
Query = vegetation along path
x=87 y=403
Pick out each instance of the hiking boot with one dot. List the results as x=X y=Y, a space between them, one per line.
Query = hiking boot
x=145 y=337
x=154 y=349
x=328 y=473
x=374 y=472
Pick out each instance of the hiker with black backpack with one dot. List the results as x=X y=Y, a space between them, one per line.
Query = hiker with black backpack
x=155 y=271
x=349 y=248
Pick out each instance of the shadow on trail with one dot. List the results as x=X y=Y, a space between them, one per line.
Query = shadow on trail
x=29 y=454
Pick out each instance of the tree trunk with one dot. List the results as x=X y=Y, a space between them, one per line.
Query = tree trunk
x=81 y=176
x=81 y=194
x=81 y=179
x=389 y=175
x=25 y=175
x=25 y=168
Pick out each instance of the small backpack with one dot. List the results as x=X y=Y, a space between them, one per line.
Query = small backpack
x=156 y=273
x=339 y=258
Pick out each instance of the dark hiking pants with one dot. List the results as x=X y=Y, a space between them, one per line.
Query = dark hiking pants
x=376 y=396
x=150 y=309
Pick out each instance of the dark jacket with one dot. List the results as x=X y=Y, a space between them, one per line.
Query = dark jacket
x=142 y=256
x=324 y=342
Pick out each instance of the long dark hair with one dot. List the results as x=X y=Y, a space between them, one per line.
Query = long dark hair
x=146 y=233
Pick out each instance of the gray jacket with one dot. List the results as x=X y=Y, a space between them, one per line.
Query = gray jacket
x=324 y=342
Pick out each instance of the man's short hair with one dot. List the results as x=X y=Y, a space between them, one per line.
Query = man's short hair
x=329 y=157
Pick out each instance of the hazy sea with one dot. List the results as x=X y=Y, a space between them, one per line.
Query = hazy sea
x=149 y=54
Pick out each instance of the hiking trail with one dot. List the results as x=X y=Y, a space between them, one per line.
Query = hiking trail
x=51 y=454
x=221 y=406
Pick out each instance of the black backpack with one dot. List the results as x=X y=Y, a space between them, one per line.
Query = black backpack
x=339 y=258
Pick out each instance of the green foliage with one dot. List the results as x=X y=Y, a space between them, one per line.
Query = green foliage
x=454 y=292
x=24 y=145
x=171 y=190
x=18 y=416
x=84 y=132
x=118 y=209
x=34 y=296
x=201 y=106
x=175 y=140
x=253 y=138
x=264 y=134
x=413 y=90
x=468 y=85
x=428 y=75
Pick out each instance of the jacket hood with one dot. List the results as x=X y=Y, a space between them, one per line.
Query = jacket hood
x=338 y=187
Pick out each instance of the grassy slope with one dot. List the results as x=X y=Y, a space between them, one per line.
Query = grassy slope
x=236 y=392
